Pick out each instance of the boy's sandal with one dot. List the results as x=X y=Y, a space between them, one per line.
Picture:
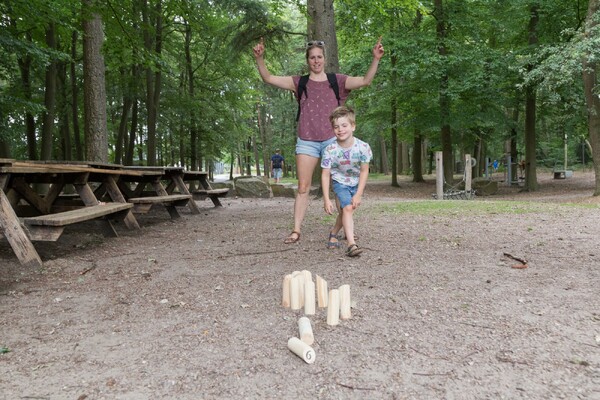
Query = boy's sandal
x=291 y=239
x=331 y=244
x=353 y=250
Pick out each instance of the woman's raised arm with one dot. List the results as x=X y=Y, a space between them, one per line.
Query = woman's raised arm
x=283 y=82
x=355 y=82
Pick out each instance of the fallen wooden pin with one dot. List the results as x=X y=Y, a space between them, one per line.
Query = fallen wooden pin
x=305 y=330
x=302 y=350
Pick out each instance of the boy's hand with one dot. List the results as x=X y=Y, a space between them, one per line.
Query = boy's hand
x=328 y=206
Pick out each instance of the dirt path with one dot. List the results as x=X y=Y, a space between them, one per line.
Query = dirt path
x=191 y=309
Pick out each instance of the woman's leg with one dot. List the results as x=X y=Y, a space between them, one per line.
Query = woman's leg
x=305 y=168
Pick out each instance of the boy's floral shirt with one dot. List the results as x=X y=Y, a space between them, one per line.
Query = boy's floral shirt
x=345 y=163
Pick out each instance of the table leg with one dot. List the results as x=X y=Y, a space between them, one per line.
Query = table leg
x=16 y=236
x=160 y=190
x=115 y=194
x=183 y=189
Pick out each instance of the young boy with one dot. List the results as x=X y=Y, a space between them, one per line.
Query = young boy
x=346 y=162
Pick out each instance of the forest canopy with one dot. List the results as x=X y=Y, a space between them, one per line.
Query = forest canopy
x=489 y=78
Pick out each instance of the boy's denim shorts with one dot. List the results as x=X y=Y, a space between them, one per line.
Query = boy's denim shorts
x=277 y=173
x=311 y=148
x=344 y=193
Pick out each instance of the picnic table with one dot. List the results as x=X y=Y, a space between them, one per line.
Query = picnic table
x=38 y=199
x=134 y=189
x=34 y=192
x=189 y=179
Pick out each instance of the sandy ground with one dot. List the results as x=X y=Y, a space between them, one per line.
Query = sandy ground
x=191 y=309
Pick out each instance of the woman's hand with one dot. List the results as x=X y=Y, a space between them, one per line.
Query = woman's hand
x=259 y=49
x=378 y=49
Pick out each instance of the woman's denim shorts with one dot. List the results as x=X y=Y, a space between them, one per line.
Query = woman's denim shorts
x=311 y=148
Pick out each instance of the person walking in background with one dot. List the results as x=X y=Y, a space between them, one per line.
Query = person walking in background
x=317 y=98
x=277 y=165
x=346 y=163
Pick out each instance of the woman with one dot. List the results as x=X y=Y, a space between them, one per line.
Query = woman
x=314 y=129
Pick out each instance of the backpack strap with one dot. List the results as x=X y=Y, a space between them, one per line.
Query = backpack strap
x=301 y=90
x=333 y=83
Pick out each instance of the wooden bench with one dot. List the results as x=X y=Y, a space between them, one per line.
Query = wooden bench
x=142 y=205
x=213 y=194
x=49 y=227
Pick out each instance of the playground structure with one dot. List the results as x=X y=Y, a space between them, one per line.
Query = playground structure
x=446 y=191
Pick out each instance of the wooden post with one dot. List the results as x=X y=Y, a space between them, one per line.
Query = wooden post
x=333 y=308
x=468 y=174
x=439 y=175
x=305 y=330
x=299 y=276
x=16 y=236
x=302 y=350
x=285 y=295
x=345 y=309
x=321 y=292
x=309 y=297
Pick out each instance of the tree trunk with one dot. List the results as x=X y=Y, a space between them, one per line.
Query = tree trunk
x=152 y=46
x=132 y=134
x=321 y=26
x=49 y=98
x=25 y=70
x=74 y=101
x=63 y=112
x=384 y=168
x=394 y=119
x=590 y=81
x=122 y=132
x=94 y=90
x=417 y=157
x=193 y=128
x=530 y=113
x=444 y=100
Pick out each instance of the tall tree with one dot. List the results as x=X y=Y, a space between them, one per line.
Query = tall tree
x=591 y=83
x=530 y=110
x=94 y=90
x=442 y=28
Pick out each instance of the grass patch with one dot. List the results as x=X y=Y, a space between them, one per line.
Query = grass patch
x=455 y=207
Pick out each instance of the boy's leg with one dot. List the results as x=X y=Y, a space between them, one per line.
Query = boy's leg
x=348 y=223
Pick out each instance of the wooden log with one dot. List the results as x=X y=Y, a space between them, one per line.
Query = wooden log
x=333 y=307
x=295 y=293
x=321 y=292
x=302 y=350
x=309 y=297
x=285 y=296
x=305 y=330
x=345 y=309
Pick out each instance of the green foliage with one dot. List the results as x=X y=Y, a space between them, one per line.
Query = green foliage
x=489 y=64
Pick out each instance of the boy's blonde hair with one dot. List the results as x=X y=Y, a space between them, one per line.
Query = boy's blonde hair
x=341 y=112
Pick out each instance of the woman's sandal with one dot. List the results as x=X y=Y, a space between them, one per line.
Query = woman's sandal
x=291 y=239
x=331 y=244
x=353 y=250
